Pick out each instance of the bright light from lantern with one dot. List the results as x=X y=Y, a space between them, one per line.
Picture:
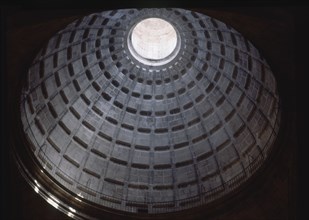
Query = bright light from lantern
x=153 y=41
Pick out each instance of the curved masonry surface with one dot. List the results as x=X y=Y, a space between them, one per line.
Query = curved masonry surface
x=160 y=138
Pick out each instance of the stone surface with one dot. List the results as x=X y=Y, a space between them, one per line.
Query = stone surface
x=134 y=132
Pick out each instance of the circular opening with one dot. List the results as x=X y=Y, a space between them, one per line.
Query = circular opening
x=153 y=41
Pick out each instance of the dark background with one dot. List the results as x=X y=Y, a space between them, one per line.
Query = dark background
x=281 y=35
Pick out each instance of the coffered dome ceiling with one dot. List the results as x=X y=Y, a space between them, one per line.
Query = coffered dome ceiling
x=157 y=131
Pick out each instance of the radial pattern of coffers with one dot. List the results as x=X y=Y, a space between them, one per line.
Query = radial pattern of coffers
x=126 y=134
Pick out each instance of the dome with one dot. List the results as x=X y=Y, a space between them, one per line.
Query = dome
x=149 y=132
